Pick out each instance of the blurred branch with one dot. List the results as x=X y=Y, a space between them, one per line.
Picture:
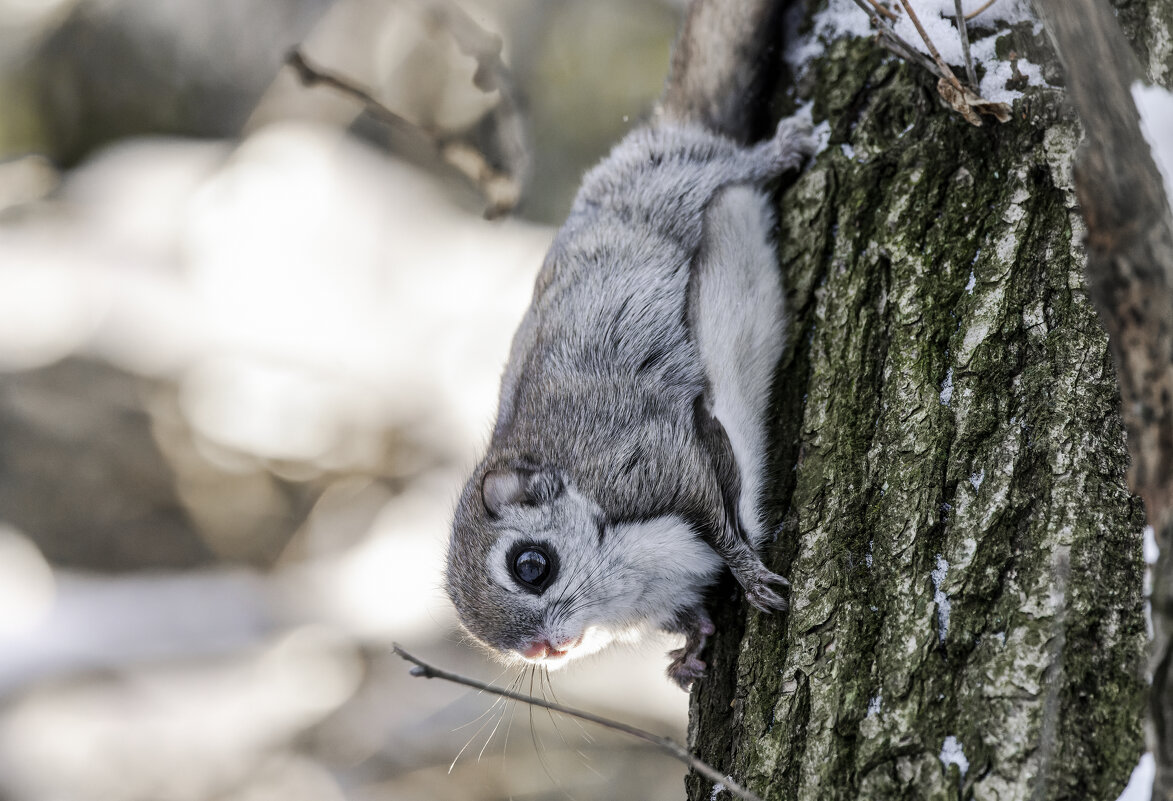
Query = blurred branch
x=1130 y=271
x=492 y=75
x=669 y=746
x=312 y=75
x=473 y=40
x=501 y=188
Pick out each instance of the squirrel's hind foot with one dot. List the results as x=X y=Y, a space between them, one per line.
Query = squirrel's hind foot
x=759 y=593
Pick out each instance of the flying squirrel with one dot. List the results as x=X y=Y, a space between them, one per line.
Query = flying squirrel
x=625 y=468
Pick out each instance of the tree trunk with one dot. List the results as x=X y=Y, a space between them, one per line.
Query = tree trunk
x=967 y=616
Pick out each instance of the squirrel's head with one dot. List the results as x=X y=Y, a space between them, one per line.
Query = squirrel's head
x=536 y=571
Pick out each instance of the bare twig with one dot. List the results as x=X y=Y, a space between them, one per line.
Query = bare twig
x=961 y=99
x=963 y=32
x=880 y=9
x=982 y=8
x=946 y=73
x=312 y=75
x=669 y=746
x=891 y=40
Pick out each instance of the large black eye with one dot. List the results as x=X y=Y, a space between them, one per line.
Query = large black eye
x=533 y=566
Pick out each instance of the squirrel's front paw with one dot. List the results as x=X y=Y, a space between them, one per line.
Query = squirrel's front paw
x=793 y=141
x=685 y=668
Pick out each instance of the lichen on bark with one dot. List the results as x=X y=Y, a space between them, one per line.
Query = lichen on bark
x=949 y=475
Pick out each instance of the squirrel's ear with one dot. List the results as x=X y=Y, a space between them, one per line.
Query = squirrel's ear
x=502 y=488
x=508 y=487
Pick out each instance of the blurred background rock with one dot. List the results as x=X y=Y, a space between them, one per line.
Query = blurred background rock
x=249 y=343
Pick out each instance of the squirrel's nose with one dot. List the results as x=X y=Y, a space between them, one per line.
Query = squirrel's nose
x=538 y=649
x=542 y=648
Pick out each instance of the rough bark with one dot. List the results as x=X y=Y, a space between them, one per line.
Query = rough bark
x=950 y=470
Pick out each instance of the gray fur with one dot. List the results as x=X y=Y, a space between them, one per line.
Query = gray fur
x=630 y=436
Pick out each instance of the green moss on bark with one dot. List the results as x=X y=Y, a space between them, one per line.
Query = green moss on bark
x=949 y=470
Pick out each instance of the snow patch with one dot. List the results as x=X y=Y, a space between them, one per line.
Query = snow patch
x=976 y=479
x=1152 y=552
x=940 y=598
x=937 y=17
x=1151 y=549
x=997 y=73
x=840 y=18
x=718 y=788
x=1140 y=784
x=953 y=754
x=971 y=283
x=874 y=705
x=947 y=387
x=843 y=18
x=1156 y=121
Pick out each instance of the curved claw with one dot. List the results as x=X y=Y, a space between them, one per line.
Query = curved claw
x=759 y=594
x=685 y=668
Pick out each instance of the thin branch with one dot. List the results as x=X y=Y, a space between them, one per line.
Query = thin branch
x=427 y=671
x=983 y=7
x=882 y=10
x=964 y=33
x=945 y=71
x=312 y=75
x=891 y=40
x=963 y=100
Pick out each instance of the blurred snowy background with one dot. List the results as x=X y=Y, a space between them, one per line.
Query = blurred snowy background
x=249 y=344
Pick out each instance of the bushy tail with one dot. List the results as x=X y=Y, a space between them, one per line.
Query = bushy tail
x=725 y=66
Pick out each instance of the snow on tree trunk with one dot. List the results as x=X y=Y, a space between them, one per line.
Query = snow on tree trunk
x=949 y=474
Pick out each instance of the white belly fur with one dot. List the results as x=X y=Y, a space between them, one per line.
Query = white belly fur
x=739 y=324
